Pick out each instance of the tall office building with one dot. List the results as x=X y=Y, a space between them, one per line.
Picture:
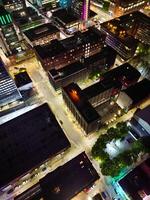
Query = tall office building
x=81 y=8
x=8 y=36
x=8 y=90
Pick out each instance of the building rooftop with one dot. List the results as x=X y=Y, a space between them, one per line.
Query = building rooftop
x=81 y=38
x=57 y=47
x=27 y=141
x=70 y=179
x=64 y=16
x=49 y=50
x=66 y=71
x=144 y=114
x=137 y=180
x=101 y=86
x=22 y=79
x=139 y=91
x=124 y=71
x=78 y=99
x=40 y=31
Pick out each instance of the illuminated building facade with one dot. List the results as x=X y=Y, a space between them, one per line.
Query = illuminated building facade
x=8 y=90
x=81 y=8
x=83 y=103
x=121 y=7
x=8 y=35
x=58 y=54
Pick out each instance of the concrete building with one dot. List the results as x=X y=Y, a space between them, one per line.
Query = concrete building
x=118 y=38
x=61 y=53
x=71 y=73
x=136 y=184
x=134 y=95
x=66 y=20
x=23 y=82
x=79 y=171
x=80 y=70
x=27 y=142
x=83 y=103
x=125 y=73
x=140 y=122
x=41 y=35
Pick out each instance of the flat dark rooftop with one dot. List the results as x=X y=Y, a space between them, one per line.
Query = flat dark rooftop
x=100 y=87
x=67 y=71
x=40 y=31
x=82 y=38
x=64 y=16
x=92 y=35
x=119 y=25
x=138 y=179
x=124 y=70
x=139 y=91
x=22 y=79
x=70 y=179
x=76 y=95
x=50 y=50
x=29 y=140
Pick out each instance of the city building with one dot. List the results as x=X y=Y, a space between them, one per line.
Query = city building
x=136 y=184
x=102 y=60
x=141 y=27
x=8 y=90
x=23 y=81
x=79 y=172
x=81 y=8
x=83 y=103
x=27 y=141
x=140 y=123
x=125 y=73
x=83 y=111
x=118 y=38
x=134 y=95
x=58 y=54
x=9 y=41
x=71 y=73
x=66 y=20
x=41 y=35
x=80 y=70
x=122 y=7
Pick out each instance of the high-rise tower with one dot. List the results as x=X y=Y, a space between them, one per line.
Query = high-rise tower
x=81 y=8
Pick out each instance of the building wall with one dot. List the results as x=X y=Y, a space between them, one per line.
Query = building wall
x=71 y=56
x=75 y=77
x=85 y=126
x=101 y=98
